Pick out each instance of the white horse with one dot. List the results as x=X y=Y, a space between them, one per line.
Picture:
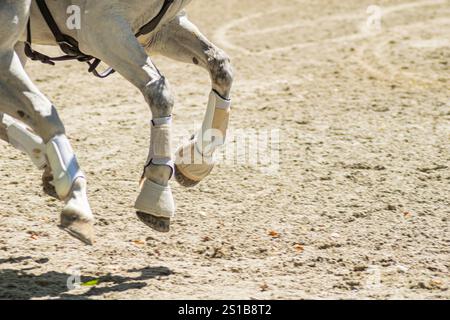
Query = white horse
x=108 y=32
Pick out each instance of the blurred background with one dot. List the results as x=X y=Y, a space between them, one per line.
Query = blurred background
x=358 y=207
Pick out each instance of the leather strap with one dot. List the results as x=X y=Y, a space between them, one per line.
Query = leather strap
x=67 y=44
x=153 y=24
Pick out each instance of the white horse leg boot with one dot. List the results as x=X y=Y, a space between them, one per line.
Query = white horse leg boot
x=194 y=161
x=23 y=139
x=155 y=205
x=70 y=185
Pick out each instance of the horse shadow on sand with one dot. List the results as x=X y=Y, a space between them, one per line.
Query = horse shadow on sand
x=23 y=284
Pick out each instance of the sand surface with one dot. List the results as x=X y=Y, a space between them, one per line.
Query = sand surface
x=359 y=207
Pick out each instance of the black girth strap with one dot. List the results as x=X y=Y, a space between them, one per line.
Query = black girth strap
x=70 y=46
x=149 y=27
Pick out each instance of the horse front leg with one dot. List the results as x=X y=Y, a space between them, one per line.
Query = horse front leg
x=181 y=40
x=22 y=137
x=20 y=99
x=155 y=205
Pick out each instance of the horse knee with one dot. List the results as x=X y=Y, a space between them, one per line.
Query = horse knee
x=221 y=72
x=53 y=125
x=45 y=122
x=33 y=109
x=159 y=97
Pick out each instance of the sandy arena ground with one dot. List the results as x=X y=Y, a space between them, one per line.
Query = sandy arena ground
x=359 y=208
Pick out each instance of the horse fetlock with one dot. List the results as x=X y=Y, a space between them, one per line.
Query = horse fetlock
x=70 y=185
x=77 y=204
x=159 y=174
x=47 y=183
x=77 y=218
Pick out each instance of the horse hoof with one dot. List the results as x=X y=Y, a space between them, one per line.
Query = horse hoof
x=47 y=186
x=77 y=226
x=183 y=180
x=159 y=224
x=155 y=206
